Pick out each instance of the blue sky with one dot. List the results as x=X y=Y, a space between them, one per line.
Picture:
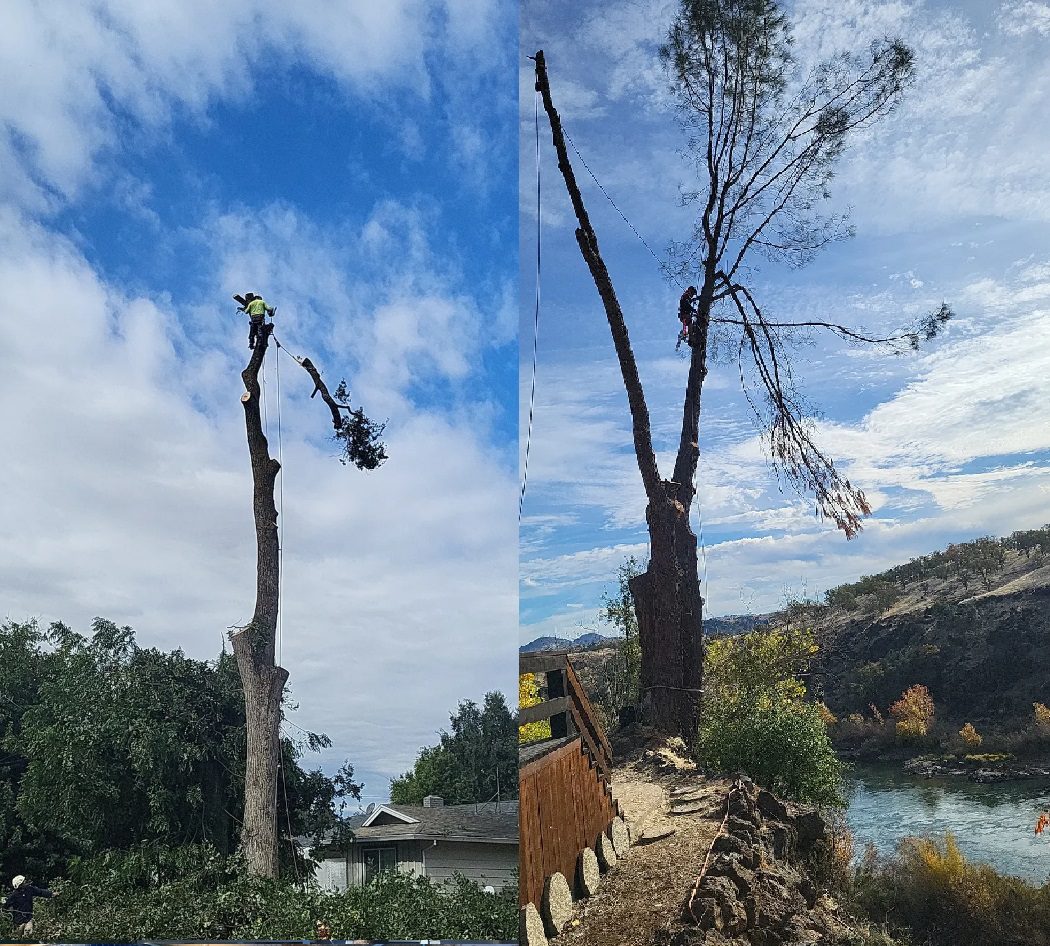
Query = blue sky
x=950 y=201
x=356 y=164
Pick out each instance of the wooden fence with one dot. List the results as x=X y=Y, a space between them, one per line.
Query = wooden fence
x=565 y=798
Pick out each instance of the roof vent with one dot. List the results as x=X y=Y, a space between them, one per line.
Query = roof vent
x=433 y=801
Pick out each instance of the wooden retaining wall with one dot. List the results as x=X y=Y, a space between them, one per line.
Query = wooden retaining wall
x=565 y=804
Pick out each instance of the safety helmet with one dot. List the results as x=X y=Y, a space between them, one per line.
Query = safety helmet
x=248 y=296
x=18 y=881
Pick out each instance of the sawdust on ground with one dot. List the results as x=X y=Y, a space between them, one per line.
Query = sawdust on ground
x=645 y=892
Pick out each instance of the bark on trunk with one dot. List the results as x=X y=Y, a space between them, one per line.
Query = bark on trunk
x=669 y=607
x=254 y=646
x=667 y=596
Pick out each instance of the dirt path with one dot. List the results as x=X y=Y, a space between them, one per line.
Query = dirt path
x=644 y=893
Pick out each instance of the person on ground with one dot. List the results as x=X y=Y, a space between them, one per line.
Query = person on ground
x=20 y=902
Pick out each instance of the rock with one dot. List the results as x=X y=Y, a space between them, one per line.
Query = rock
x=741 y=828
x=730 y=844
x=781 y=839
x=689 y=810
x=605 y=851
x=656 y=833
x=734 y=869
x=621 y=839
x=556 y=906
x=717 y=906
x=811 y=827
x=530 y=927
x=771 y=806
x=588 y=874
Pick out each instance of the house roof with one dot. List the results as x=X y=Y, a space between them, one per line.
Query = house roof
x=490 y=822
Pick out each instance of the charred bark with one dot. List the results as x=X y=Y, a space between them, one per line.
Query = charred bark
x=667 y=595
x=254 y=645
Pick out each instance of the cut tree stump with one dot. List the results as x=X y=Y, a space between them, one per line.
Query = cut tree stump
x=588 y=874
x=530 y=927
x=556 y=907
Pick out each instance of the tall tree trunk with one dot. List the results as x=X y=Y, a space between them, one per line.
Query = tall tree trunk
x=667 y=595
x=254 y=646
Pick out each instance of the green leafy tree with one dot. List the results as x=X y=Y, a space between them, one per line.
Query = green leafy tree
x=105 y=746
x=475 y=761
x=618 y=610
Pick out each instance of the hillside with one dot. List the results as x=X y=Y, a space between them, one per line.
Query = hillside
x=971 y=623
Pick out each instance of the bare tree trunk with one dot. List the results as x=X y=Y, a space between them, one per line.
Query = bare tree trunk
x=667 y=595
x=254 y=646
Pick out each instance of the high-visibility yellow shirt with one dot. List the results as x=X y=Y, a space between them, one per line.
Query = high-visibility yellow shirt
x=257 y=307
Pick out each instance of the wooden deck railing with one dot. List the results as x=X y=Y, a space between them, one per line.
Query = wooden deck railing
x=565 y=797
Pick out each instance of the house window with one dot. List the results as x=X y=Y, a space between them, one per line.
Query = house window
x=379 y=859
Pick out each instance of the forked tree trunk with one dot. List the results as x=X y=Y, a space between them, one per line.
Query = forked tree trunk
x=667 y=596
x=254 y=646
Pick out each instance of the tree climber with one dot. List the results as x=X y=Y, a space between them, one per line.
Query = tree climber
x=686 y=313
x=257 y=310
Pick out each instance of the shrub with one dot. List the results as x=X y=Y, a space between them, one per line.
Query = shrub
x=914 y=713
x=784 y=747
x=1041 y=712
x=756 y=720
x=196 y=893
x=529 y=695
x=826 y=715
x=930 y=889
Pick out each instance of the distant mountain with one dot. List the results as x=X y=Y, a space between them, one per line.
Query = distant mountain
x=587 y=641
x=724 y=626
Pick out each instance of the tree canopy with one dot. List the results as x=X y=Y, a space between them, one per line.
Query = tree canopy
x=106 y=745
x=474 y=762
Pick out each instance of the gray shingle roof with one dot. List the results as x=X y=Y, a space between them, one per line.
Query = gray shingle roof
x=482 y=822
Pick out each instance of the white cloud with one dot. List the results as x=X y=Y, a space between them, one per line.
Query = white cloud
x=127 y=493
x=80 y=79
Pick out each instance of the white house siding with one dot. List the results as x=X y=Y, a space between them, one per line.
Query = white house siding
x=331 y=874
x=485 y=864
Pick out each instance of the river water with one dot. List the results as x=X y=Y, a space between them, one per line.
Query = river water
x=991 y=823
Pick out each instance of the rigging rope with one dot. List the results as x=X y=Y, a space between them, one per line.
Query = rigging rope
x=536 y=317
x=280 y=518
x=616 y=207
x=288 y=814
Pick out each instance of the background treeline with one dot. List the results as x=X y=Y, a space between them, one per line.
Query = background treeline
x=476 y=760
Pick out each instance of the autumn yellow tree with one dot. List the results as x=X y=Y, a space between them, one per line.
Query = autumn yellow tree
x=971 y=736
x=529 y=695
x=914 y=713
